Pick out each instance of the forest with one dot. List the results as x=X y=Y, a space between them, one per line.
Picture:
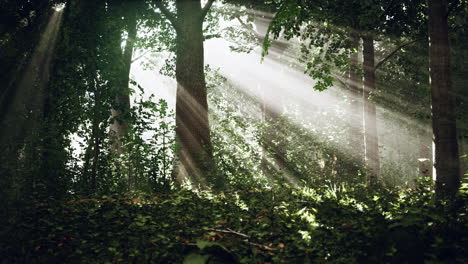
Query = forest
x=234 y=131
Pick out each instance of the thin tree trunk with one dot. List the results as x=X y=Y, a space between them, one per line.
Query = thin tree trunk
x=87 y=164
x=193 y=130
x=463 y=151
x=356 y=136
x=121 y=112
x=96 y=153
x=447 y=163
x=425 y=155
x=95 y=141
x=273 y=138
x=370 y=118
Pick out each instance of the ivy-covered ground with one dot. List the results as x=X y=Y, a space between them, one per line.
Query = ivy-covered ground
x=288 y=226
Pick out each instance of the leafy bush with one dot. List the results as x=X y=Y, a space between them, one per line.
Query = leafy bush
x=257 y=226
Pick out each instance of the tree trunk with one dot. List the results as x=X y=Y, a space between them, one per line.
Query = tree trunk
x=425 y=155
x=93 y=150
x=193 y=131
x=121 y=112
x=273 y=139
x=463 y=151
x=447 y=163
x=370 y=118
x=356 y=136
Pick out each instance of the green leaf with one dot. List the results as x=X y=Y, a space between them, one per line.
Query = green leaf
x=195 y=258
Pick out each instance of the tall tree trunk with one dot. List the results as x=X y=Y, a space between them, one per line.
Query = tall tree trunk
x=370 y=118
x=121 y=105
x=356 y=136
x=447 y=163
x=193 y=130
x=93 y=151
x=121 y=112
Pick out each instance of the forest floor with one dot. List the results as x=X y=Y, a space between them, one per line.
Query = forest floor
x=288 y=226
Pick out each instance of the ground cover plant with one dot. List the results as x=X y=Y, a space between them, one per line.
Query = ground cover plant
x=256 y=226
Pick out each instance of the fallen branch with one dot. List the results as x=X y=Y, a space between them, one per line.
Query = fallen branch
x=229 y=231
x=246 y=240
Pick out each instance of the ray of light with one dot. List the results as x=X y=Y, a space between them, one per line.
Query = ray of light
x=282 y=89
x=27 y=100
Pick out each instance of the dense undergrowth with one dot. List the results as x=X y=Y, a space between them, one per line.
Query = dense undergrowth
x=256 y=226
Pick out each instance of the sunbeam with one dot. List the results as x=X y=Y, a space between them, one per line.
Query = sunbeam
x=26 y=97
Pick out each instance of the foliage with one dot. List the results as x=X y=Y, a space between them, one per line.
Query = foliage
x=332 y=225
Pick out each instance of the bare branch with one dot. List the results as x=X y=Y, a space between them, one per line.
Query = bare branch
x=140 y=56
x=170 y=16
x=247 y=238
x=391 y=54
x=243 y=24
x=206 y=8
x=345 y=85
x=229 y=231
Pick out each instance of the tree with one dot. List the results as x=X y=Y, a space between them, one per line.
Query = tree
x=370 y=112
x=355 y=86
x=447 y=163
x=192 y=124
x=121 y=110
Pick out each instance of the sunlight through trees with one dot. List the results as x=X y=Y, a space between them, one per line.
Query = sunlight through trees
x=233 y=131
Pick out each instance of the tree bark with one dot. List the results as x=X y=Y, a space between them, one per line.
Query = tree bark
x=425 y=155
x=193 y=130
x=463 y=151
x=356 y=136
x=447 y=163
x=370 y=119
x=273 y=139
x=121 y=111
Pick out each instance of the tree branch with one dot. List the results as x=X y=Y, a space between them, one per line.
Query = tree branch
x=345 y=85
x=229 y=231
x=247 y=238
x=257 y=35
x=140 y=56
x=206 y=8
x=391 y=54
x=171 y=17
